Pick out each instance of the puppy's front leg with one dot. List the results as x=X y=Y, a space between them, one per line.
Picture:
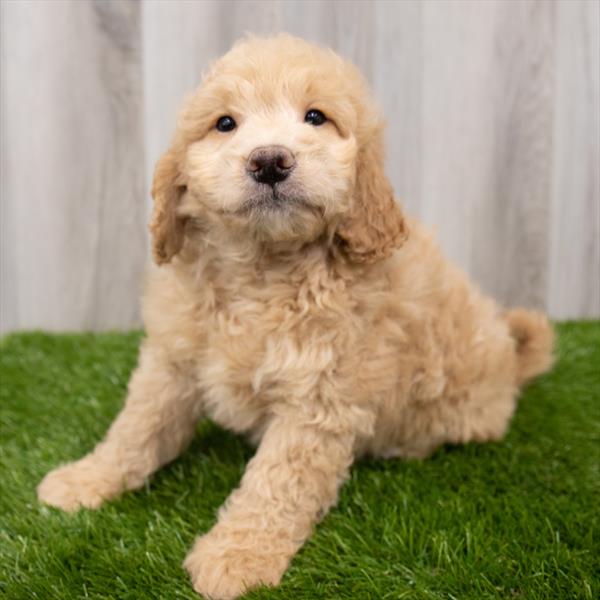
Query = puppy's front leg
x=157 y=422
x=290 y=483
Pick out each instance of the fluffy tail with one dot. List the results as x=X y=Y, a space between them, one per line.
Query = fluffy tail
x=534 y=339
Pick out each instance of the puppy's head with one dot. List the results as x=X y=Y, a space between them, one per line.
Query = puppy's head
x=281 y=142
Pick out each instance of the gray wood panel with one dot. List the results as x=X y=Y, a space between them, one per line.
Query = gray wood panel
x=180 y=40
x=72 y=165
x=457 y=119
x=493 y=137
x=510 y=224
x=574 y=262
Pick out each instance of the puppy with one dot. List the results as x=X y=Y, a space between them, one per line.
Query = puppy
x=294 y=302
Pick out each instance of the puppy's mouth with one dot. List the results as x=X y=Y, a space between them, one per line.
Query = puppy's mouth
x=268 y=199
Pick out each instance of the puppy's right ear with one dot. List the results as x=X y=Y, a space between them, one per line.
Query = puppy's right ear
x=166 y=227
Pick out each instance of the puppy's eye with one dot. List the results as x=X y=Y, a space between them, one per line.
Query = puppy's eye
x=225 y=124
x=315 y=117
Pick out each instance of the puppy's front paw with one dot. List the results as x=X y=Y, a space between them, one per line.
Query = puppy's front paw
x=85 y=483
x=225 y=565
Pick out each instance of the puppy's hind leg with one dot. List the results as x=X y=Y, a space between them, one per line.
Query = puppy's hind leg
x=156 y=424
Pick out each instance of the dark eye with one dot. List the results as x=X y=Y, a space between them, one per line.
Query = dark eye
x=225 y=124
x=315 y=117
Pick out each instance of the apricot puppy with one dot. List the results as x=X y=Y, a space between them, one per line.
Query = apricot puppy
x=293 y=302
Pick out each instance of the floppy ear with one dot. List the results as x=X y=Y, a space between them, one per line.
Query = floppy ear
x=375 y=226
x=166 y=226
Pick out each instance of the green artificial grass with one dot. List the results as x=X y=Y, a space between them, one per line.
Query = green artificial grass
x=514 y=519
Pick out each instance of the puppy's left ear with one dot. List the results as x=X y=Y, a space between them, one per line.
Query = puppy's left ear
x=166 y=227
x=375 y=225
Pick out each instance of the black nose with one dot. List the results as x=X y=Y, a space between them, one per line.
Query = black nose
x=270 y=164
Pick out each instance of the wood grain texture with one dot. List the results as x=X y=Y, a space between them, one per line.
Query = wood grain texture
x=397 y=78
x=457 y=116
x=511 y=222
x=493 y=137
x=180 y=40
x=8 y=217
x=574 y=286
x=73 y=164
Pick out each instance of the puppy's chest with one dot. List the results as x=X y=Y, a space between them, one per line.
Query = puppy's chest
x=266 y=342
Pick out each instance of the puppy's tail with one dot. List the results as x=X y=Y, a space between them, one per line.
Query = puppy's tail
x=534 y=342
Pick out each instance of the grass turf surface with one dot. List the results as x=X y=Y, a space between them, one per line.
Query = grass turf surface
x=515 y=519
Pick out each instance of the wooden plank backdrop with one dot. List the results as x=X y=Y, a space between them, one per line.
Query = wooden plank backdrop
x=493 y=137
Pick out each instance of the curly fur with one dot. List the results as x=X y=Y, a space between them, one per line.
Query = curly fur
x=323 y=324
